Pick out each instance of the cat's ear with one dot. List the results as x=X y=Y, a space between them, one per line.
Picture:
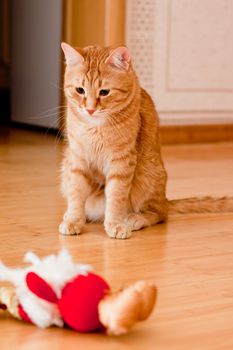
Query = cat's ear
x=120 y=58
x=72 y=56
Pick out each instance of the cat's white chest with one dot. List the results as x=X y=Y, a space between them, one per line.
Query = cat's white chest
x=96 y=154
x=90 y=145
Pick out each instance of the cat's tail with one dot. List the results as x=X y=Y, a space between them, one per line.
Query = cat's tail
x=95 y=206
x=200 y=205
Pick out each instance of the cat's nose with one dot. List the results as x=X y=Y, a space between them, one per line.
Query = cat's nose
x=90 y=111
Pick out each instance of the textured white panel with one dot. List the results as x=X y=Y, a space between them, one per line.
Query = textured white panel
x=183 y=54
x=200 y=45
x=140 y=39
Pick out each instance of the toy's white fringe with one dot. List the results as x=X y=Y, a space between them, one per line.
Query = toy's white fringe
x=57 y=270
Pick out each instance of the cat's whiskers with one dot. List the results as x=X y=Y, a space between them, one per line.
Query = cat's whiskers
x=53 y=125
x=52 y=109
x=48 y=115
x=57 y=86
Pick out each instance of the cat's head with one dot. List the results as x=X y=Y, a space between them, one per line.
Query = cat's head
x=98 y=81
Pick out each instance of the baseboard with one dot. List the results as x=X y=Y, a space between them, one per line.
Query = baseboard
x=169 y=134
x=196 y=133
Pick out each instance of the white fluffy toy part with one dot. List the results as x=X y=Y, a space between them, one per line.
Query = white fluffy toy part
x=56 y=270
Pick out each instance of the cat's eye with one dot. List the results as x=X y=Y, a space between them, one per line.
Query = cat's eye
x=80 y=90
x=104 y=92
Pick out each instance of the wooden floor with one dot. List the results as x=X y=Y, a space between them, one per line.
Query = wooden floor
x=190 y=258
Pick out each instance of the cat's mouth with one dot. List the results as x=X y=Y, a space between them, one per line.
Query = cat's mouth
x=93 y=113
x=96 y=117
x=90 y=111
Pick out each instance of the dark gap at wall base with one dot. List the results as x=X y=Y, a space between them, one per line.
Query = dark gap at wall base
x=39 y=129
x=5 y=110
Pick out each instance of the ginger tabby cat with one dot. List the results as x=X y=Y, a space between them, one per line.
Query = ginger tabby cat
x=112 y=169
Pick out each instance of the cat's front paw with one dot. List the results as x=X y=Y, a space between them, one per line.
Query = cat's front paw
x=115 y=230
x=68 y=227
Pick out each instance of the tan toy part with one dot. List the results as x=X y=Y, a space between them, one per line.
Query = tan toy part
x=120 y=311
x=9 y=299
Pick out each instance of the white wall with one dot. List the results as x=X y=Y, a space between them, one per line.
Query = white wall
x=35 y=58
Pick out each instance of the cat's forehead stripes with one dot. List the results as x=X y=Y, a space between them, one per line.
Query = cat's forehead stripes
x=92 y=77
x=94 y=58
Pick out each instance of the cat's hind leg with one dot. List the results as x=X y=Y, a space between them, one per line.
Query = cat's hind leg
x=137 y=221
x=152 y=213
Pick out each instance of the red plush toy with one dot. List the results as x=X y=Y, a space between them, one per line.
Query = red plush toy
x=53 y=290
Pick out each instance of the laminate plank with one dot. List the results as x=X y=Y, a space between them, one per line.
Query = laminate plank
x=189 y=258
